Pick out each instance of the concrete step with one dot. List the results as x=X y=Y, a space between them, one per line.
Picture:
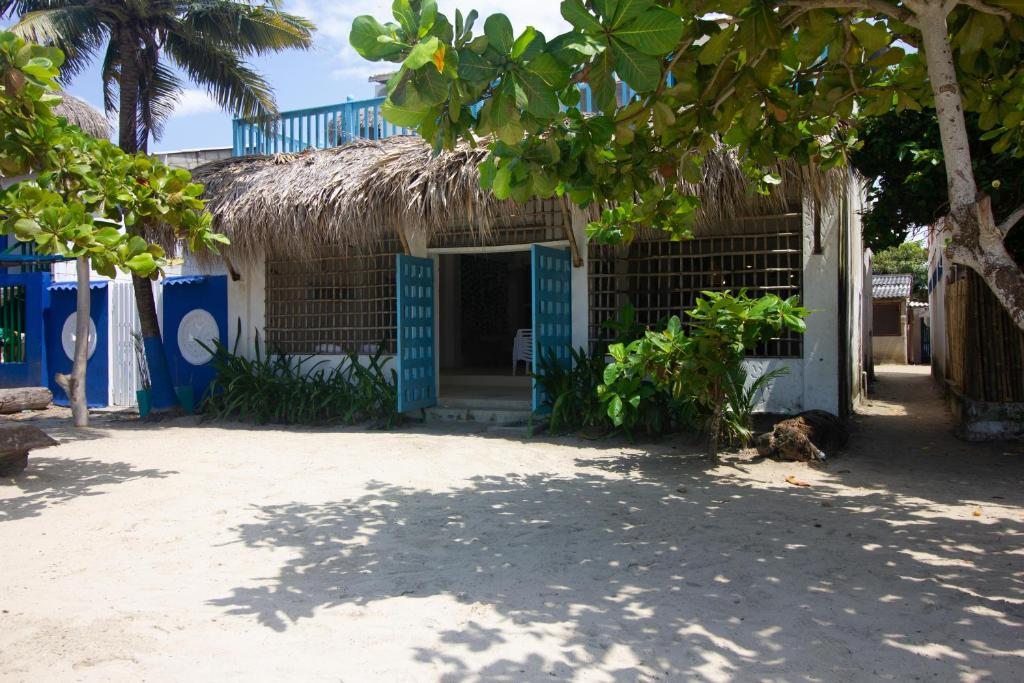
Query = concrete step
x=479 y=415
x=520 y=380
x=483 y=403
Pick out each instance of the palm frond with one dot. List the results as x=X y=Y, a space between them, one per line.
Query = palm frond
x=249 y=30
x=234 y=85
x=73 y=29
x=159 y=92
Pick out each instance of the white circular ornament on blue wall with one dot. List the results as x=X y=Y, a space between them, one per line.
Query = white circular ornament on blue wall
x=67 y=336
x=197 y=326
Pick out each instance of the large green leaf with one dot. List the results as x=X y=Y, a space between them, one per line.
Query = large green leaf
x=477 y=68
x=628 y=10
x=403 y=11
x=431 y=86
x=409 y=114
x=642 y=72
x=606 y=8
x=713 y=51
x=541 y=100
x=364 y=38
x=602 y=82
x=422 y=54
x=576 y=14
x=498 y=30
x=656 y=32
x=553 y=73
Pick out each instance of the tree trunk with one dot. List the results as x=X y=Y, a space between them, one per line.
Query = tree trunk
x=969 y=231
x=162 y=395
x=128 y=93
x=74 y=384
x=161 y=388
x=715 y=424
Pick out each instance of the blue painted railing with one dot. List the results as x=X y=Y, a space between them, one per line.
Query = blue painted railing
x=336 y=124
x=319 y=127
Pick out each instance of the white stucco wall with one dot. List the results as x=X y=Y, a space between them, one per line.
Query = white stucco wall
x=812 y=381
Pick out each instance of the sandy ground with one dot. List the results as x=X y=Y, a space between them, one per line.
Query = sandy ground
x=188 y=552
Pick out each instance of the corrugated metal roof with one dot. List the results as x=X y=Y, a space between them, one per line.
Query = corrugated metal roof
x=891 y=286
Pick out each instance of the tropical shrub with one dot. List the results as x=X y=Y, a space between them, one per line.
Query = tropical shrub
x=691 y=364
x=286 y=389
x=570 y=393
x=741 y=399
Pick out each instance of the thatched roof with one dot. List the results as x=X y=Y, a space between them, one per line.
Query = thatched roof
x=363 y=192
x=80 y=113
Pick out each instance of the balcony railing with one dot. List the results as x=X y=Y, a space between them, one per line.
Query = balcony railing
x=319 y=128
x=337 y=124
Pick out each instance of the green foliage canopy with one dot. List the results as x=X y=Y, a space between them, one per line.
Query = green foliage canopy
x=901 y=157
x=908 y=257
x=77 y=191
x=772 y=79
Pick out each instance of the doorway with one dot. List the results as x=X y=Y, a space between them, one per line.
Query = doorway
x=484 y=301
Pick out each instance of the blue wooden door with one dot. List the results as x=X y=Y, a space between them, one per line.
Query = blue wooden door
x=552 y=310
x=416 y=381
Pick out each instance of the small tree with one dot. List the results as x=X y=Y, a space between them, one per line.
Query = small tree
x=77 y=192
x=694 y=362
x=208 y=40
x=908 y=257
x=772 y=78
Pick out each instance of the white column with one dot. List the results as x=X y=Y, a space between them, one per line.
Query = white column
x=580 y=283
x=820 y=294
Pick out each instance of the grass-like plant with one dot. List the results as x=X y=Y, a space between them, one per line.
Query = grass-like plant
x=289 y=389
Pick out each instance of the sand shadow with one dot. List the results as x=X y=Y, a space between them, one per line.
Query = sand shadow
x=50 y=481
x=701 y=581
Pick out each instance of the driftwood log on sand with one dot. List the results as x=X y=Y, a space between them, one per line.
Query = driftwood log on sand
x=16 y=440
x=805 y=437
x=24 y=398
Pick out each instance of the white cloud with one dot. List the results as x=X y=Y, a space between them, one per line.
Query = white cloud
x=194 y=101
x=334 y=21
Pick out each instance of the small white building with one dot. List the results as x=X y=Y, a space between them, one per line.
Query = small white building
x=321 y=241
x=890 y=318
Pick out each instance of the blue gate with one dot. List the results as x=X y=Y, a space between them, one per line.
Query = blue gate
x=416 y=379
x=552 y=310
x=60 y=341
x=195 y=312
x=24 y=300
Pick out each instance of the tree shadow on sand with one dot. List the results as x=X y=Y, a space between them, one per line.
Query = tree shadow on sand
x=53 y=481
x=699 y=576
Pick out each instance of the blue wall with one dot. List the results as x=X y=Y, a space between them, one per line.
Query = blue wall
x=184 y=294
x=97 y=373
x=33 y=372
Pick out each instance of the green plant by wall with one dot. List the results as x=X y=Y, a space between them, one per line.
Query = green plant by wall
x=692 y=363
x=287 y=389
x=741 y=398
x=571 y=392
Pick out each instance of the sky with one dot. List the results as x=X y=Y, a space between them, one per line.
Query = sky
x=329 y=72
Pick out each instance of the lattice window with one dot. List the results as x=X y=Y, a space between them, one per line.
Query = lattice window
x=537 y=221
x=662 y=278
x=886 y=318
x=339 y=301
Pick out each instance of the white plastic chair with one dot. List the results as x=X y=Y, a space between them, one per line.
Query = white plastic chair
x=522 y=349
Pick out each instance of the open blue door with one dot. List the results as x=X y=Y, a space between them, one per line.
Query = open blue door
x=552 y=309
x=416 y=382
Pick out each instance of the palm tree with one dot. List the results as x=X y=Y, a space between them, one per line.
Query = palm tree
x=208 y=40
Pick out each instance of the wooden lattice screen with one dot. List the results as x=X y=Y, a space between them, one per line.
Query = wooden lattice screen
x=339 y=301
x=662 y=278
x=985 y=349
x=537 y=221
